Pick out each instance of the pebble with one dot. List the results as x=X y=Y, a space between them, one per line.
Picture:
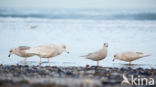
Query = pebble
x=104 y=75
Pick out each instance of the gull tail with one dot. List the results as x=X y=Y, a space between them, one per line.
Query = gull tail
x=146 y=55
x=83 y=56
x=142 y=54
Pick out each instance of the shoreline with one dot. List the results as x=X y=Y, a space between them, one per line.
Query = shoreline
x=53 y=76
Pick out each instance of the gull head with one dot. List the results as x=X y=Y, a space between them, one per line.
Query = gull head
x=105 y=44
x=64 y=48
x=10 y=52
x=115 y=57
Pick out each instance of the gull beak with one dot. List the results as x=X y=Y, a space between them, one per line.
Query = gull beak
x=113 y=60
x=9 y=55
x=67 y=51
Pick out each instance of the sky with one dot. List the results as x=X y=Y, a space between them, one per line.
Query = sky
x=104 y=4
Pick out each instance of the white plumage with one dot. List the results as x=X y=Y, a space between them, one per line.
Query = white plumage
x=47 y=51
x=98 y=55
x=31 y=26
x=21 y=51
x=129 y=56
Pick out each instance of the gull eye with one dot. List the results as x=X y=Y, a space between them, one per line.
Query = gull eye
x=10 y=51
x=114 y=55
x=64 y=47
x=105 y=44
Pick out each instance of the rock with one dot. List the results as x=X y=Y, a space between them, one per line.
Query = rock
x=68 y=73
x=22 y=75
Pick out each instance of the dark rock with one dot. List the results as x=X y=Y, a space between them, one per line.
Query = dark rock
x=68 y=73
x=122 y=69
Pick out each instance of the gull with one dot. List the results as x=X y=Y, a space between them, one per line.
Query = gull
x=20 y=51
x=98 y=55
x=129 y=56
x=47 y=51
x=31 y=26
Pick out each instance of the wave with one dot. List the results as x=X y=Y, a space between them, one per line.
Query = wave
x=95 y=14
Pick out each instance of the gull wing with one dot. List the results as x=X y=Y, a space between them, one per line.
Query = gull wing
x=23 y=47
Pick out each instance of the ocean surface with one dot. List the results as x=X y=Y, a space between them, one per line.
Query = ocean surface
x=82 y=31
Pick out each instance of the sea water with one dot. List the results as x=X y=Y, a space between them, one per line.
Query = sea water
x=82 y=31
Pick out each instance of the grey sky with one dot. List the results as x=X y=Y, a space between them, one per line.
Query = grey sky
x=78 y=3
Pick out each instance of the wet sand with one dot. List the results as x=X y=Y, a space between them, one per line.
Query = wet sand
x=54 y=76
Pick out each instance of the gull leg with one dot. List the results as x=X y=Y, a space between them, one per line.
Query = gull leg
x=97 y=63
x=40 y=60
x=25 y=59
x=48 y=60
x=129 y=63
